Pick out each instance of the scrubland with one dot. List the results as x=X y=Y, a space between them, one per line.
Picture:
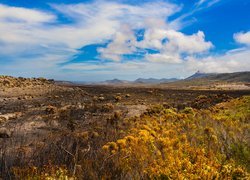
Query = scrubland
x=103 y=132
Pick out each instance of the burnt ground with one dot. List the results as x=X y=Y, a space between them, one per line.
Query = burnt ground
x=158 y=95
x=38 y=127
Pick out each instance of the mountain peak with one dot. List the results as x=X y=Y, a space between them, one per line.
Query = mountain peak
x=198 y=74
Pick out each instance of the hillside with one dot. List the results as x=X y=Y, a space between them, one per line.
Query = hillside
x=199 y=80
x=228 y=77
x=199 y=74
x=231 y=77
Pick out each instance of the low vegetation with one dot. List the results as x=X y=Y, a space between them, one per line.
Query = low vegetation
x=166 y=144
x=10 y=82
x=88 y=132
x=163 y=143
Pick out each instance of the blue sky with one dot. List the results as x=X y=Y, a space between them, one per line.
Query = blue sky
x=126 y=39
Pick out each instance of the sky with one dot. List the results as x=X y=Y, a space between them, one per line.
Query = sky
x=96 y=40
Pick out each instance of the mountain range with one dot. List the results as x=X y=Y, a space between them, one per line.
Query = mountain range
x=196 y=77
x=140 y=81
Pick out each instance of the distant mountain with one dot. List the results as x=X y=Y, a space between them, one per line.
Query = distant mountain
x=228 y=77
x=199 y=74
x=115 y=81
x=63 y=82
x=139 y=81
x=199 y=78
x=154 y=81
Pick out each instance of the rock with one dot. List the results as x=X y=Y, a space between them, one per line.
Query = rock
x=54 y=123
x=80 y=105
x=2 y=119
x=127 y=95
x=95 y=98
x=9 y=116
x=4 y=133
x=150 y=92
x=101 y=98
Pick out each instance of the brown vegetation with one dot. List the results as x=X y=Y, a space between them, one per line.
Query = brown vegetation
x=86 y=133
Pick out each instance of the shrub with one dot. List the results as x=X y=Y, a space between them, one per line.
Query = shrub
x=118 y=98
x=46 y=172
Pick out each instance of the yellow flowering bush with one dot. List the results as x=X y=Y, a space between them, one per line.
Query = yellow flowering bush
x=190 y=144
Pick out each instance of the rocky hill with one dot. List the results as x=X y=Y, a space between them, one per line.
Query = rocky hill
x=199 y=74
x=228 y=77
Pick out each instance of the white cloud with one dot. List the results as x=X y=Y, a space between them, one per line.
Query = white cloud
x=176 y=45
x=153 y=38
x=25 y=15
x=178 y=42
x=122 y=44
x=243 y=38
x=230 y=62
x=164 y=57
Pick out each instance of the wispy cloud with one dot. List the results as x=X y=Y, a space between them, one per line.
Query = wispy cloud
x=19 y=14
x=206 y=3
x=200 y=2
